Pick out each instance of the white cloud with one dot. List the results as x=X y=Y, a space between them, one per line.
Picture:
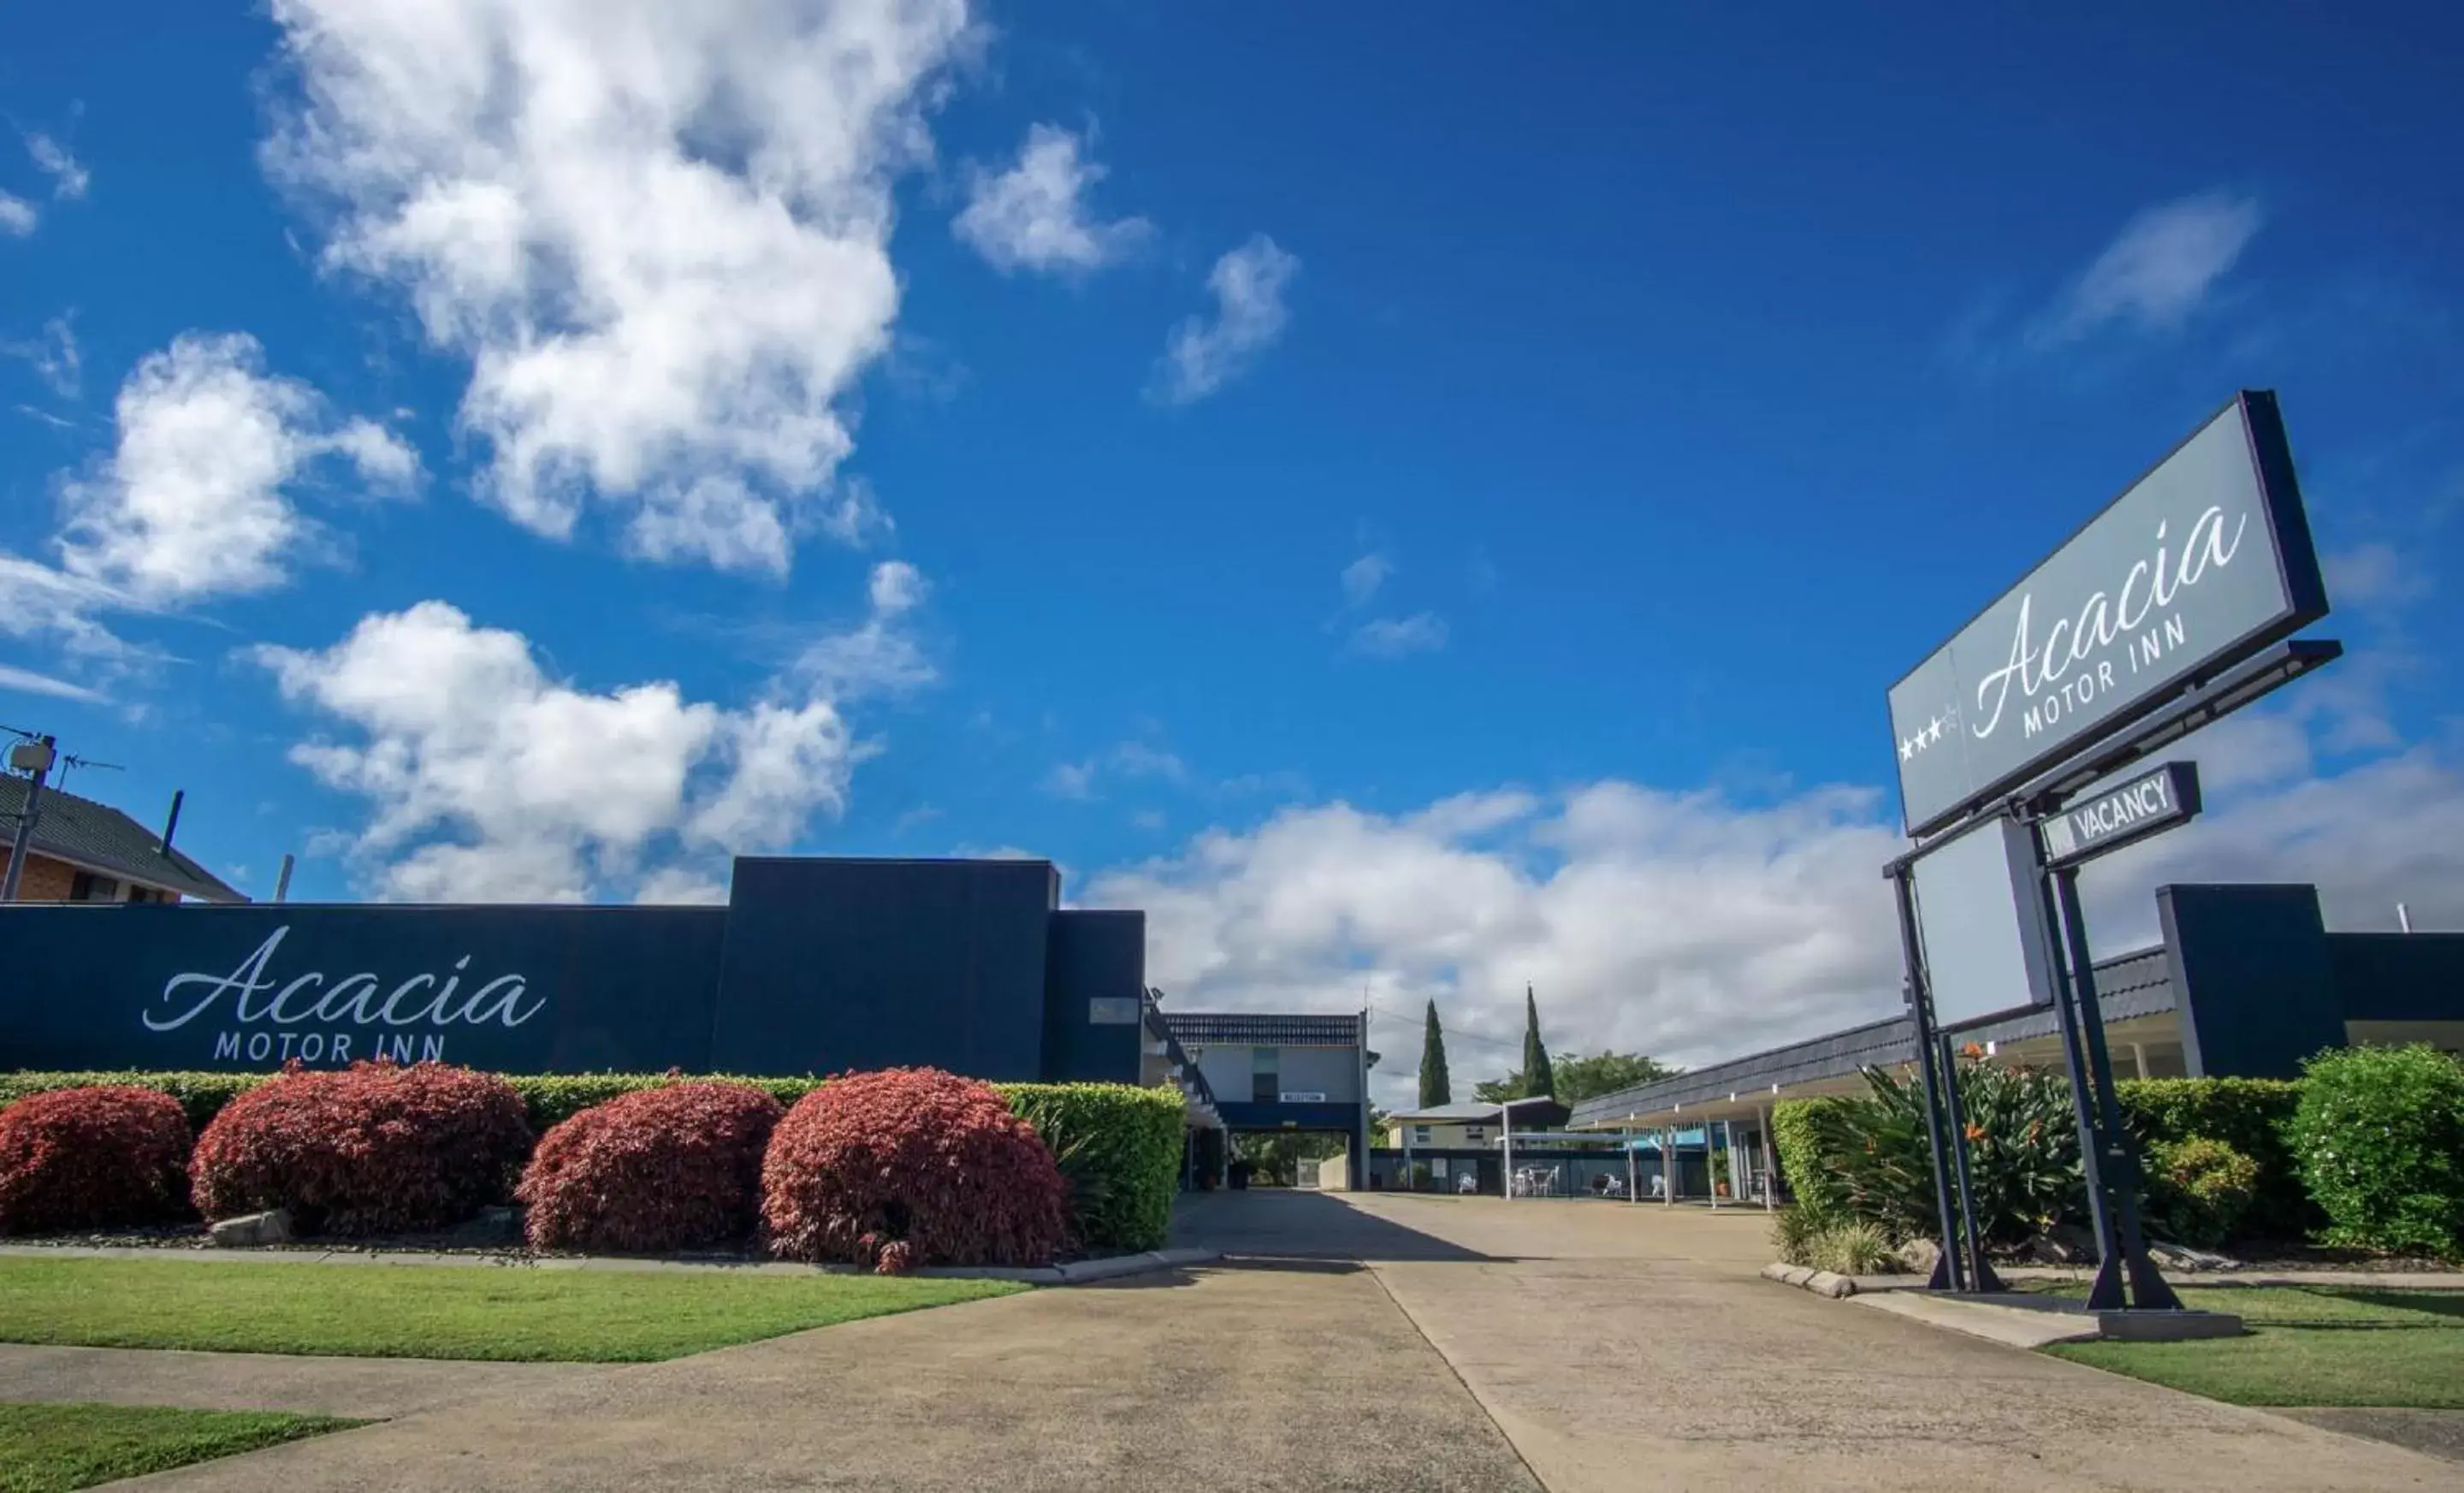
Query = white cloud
x=1205 y=353
x=2373 y=574
x=1680 y=925
x=1362 y=578
x=1034 y=215
x=1393 y=637
x=1071 y=780
x=1128 y=759
x=69 y=178
x=491 y=780
x=17 y=215
x=852 y=514
x=37 y=600
x=674 y=886
x=1691 y=926
x=2158 y=271
x=659 y=232
x=879 y=657
x=194 y=500
x=54 y=356
x=896 y=586
x=25 y=681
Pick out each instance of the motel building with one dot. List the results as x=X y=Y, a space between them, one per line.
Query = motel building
x=79 y=850
x=2247 y=983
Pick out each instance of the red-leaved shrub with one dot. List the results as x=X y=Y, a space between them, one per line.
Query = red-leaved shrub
x=376 y=1147
x=84 y=1158
x=911 y=1156
x=655 y=1169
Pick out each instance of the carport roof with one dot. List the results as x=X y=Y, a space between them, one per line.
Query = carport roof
x=2134 y=985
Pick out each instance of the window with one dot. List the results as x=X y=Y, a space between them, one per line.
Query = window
x=1474 y=1133
x=1419 y=1134
x=87 y=887
x=1265 y=1075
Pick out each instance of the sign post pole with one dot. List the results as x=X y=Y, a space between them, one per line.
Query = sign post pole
x=1947 y=1273
x=2148 y=1289
x=1980 y=1271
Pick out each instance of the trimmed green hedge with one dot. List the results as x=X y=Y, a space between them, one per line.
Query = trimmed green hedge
x=2249 y=1115
x=1120 y=1148
x=1119 y=1145
x=1796 y=1136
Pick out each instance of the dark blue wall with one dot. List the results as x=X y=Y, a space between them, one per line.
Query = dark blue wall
x=2399 y=977
x=837 y=965
x=1094 y=1020
x=815 y=966
x=2251 y=978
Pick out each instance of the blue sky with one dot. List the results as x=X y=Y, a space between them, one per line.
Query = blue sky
x=1422 y=500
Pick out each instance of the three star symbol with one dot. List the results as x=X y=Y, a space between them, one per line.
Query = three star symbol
x=1925 y=736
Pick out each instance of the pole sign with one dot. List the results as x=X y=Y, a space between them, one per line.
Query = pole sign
x=2201 y=563
x=2147 y=805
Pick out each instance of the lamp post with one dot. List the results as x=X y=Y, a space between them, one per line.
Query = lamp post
x=1506 y=1113
x=33 y=756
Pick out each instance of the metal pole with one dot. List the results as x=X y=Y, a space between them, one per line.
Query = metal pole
x=1770 y=1167
x=282 y=881
x=26 y=823
x=1947 y=1271
x=1632 y=1176
x=1505 y=1179
x=1667 y=1166
x=2106 y=1293
x=2148 y=1290
x=1980 y=1272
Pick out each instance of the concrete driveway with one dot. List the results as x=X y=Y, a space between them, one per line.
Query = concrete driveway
x=1299 y=1378
x=1629 y=1347
x=1375 y=1343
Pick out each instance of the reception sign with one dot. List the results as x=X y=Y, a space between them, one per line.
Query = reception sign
x=2204 y=562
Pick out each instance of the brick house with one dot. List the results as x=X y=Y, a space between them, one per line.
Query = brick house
x=84 y=851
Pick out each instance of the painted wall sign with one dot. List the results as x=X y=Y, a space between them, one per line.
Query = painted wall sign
x=815 y=965
x=2200 y=563
x=2147 y=805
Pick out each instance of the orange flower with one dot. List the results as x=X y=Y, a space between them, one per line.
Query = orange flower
x=1973 y=1052
x=1975 y=1131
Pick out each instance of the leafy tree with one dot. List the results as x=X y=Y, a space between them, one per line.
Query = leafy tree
x=1582 y=1078
x=1436 y=1088
x=1277 y=1155
x=1537 y=1076
x=1497 y=1091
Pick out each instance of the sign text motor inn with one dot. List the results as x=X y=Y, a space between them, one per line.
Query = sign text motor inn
x=2204 y=560
x=813 y=966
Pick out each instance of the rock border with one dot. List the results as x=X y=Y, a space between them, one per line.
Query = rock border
x=1821 y=1283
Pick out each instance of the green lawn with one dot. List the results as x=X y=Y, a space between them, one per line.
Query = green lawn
x=2307 y=1346
x=45 y=1448
x=440 y=1311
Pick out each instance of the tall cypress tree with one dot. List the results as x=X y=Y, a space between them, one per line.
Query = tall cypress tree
x=1538 y=1079
x=1436 y=1088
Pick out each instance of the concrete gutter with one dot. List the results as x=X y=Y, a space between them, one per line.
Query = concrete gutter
x=1076 y=1272
x=2016 y=1318
x=2035 y=1322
